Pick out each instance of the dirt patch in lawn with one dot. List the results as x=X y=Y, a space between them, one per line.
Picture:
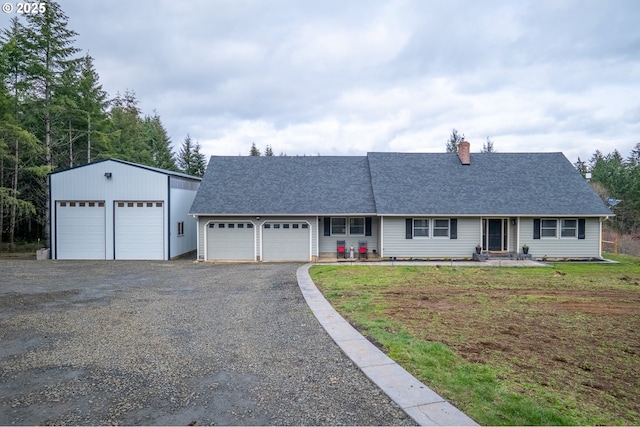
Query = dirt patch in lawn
x=549 y=333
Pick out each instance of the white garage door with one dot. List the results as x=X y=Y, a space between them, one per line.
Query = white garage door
x=286 y=241
x=80 y=230
x=230 y=241
x=138 y=230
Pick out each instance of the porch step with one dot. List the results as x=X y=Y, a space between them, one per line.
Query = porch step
x=484 y=256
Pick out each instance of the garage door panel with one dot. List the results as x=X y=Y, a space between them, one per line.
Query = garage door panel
x=80 y=230
x=286 y=241
x=228 y=241
x=138 y=230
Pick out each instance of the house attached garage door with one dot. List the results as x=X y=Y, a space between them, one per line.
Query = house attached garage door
x=80 y=230
x=286 y=241
x=138 y=230
x=230 y=241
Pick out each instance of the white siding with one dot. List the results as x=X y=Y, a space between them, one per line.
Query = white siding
x=397 y=245
x=562 y=247
x=181 y=201
x=126 y=183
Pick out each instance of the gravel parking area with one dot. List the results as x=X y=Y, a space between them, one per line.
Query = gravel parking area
x=172 y=343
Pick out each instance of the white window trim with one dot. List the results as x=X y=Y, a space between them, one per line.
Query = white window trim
x=346 y=226
x=562 y=220
x=542 y=236
x=440 y=228
x=364 y=226
x=428 y=227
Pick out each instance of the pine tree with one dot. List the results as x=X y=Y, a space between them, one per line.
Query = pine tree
x=159 y=143
x=268 y=151
x=126 y=140
x=488 y=147
x=454 y=140
x=254 y=150
x=190 y=160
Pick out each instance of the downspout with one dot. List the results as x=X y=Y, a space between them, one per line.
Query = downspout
x=168 y=217
x=381 y=237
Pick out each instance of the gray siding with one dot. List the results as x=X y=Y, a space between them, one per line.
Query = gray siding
x=328 y=244
x=562 y=247
x=395 y=243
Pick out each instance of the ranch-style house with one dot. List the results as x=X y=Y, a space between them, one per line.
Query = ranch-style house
x=396 y=206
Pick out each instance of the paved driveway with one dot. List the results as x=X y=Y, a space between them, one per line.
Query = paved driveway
x=171 y=343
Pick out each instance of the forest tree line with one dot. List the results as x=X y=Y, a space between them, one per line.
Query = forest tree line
x=54 y=114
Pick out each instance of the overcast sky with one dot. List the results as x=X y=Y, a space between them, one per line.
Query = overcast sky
x=350 y=76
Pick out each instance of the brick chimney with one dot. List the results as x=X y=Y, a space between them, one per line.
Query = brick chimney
x=464 y=152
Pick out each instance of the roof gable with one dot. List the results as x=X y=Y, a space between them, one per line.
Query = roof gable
x=137 y=165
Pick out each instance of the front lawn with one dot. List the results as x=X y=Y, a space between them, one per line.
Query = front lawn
x=508 y=346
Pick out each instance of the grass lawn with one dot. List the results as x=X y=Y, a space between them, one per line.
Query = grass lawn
x=558 y=345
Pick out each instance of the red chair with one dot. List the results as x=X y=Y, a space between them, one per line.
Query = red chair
x=362 y=249
x=342 y=249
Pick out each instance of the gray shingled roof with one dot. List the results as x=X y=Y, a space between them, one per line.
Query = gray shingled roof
x=493 y=184
x=285 y=185
x=403 y=184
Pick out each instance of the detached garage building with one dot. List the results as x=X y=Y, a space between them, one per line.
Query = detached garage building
x=112 y=209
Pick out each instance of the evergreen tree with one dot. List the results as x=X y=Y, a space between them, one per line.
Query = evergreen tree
x=454 y=140
x=190 y=160
x=159 y=143
x=126 y=139
x=488 y=147
x=268 y=151
x=254 y=150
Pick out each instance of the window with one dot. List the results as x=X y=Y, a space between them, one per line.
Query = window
x=569 y=228
x=285 y=225
x=220 y=225
x=240 y=225
x=441 y=228
x=338 y=226
x=295 y=225
x=181 y=228
x=265 y=226
x=356 y=226
x=212 y=225
x=548 y=228
x=249 y=225
x=276 y=225
x=421 y=228
x=231 y=225
x=305 y=225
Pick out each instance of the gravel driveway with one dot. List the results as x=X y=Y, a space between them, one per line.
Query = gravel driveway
x=172 y=343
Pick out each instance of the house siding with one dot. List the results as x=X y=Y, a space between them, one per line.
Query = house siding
x=395 y=243
x=558 y=247
x=179 y=245
x=328 y=244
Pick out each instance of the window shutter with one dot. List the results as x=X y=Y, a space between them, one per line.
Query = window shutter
x=453 y=228
x=581 y=228
x=367 y=226
x=536 y=228
x=409 y=228
x=327 y=226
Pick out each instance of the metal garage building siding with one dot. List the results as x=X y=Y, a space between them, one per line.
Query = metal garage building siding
x=113 y=181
